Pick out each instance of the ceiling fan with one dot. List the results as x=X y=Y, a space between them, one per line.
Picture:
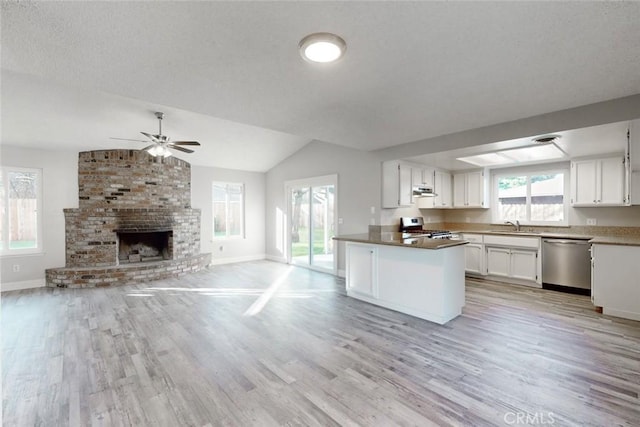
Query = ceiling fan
x=162 y=143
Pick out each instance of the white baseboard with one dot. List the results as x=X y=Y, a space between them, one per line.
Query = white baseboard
x=276 y=258
x=25 y=284
x=342 y=273
x=219 y=261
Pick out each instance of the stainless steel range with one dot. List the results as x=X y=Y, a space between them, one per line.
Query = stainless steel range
x=414 y=227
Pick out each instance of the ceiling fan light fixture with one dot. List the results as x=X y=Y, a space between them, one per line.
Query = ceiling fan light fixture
x=322 y=47
x=159 y=151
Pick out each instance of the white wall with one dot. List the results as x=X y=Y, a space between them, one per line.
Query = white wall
x=253 y=245
x=60 y=190
x=358 y=190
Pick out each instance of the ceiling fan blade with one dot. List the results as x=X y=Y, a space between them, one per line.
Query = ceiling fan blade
x=127 y=139
x=149 y=147
x=151 y=137
x=185 y=143
x=184 y=150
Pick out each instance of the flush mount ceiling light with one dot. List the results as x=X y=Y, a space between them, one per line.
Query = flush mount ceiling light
x=322 y=47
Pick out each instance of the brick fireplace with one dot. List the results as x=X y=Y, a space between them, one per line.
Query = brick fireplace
x=134 y=221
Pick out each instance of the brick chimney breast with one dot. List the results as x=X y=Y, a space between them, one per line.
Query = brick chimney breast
x=129 y=192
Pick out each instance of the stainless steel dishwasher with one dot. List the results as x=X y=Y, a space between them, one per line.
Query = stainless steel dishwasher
x=566 y=265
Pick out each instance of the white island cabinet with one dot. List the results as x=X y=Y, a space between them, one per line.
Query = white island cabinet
x=425 y=283
x=361 y=276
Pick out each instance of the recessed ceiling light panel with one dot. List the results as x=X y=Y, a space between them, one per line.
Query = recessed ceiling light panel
x=322 y=47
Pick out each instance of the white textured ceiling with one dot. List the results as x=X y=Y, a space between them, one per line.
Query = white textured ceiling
x=413 y=70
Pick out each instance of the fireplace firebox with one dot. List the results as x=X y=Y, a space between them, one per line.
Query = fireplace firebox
x=144 y=246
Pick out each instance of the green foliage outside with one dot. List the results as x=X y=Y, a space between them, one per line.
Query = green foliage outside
x=519 y=181
x=302 y=248
x=22 y=244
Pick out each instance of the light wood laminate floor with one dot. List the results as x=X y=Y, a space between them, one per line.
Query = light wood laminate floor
x=263 y=343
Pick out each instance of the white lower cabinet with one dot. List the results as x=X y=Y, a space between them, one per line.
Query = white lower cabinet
x=473 y=254
x=474 y=257
x=362 y=269
x=614 y=280
x=514 y=258
x=498 y=261
x=524 y=264
x=514 y=263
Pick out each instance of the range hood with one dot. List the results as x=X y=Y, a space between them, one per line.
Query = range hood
x=423 y=191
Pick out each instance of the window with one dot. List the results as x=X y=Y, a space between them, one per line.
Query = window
x=20 y=228
x=228 y=210
x=531 y=198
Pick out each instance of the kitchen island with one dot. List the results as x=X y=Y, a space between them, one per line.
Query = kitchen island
x=418 y=276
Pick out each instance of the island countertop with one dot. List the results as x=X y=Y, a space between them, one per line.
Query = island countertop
x=397 y=239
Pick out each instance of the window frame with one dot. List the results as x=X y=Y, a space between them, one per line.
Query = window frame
x=529 y=172
x=6 y=251
x=227 y=236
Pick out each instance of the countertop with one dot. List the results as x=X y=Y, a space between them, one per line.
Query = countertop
x=616 y=240
x=396 y=239
x=633 y=240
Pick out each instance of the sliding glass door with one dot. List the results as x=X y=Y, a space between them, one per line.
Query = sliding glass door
x=312 y=207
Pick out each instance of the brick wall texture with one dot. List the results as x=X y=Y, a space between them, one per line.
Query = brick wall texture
x=132 y=179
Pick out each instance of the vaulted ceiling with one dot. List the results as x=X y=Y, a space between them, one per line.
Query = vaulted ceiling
x=229 y=73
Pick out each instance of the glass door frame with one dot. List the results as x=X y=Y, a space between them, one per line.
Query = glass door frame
x=319 y=181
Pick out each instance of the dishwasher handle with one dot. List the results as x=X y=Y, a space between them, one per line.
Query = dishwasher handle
x=566 y=242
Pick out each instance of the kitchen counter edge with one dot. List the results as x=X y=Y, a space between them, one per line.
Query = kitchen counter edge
x=395 y=239
x=599 y=240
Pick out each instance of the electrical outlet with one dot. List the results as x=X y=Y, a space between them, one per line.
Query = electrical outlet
x=340 y=221
x=591 y=221
x=16 y=268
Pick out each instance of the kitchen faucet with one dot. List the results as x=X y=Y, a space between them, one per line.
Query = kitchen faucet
x=516 y=224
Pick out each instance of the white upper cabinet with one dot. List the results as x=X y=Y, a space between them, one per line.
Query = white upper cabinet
x=470 y=190
x=396 y=184
x=598 y=182
x=442 y=188
x=634 y=161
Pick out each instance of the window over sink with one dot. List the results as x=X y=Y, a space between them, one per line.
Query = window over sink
x=535 y=198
